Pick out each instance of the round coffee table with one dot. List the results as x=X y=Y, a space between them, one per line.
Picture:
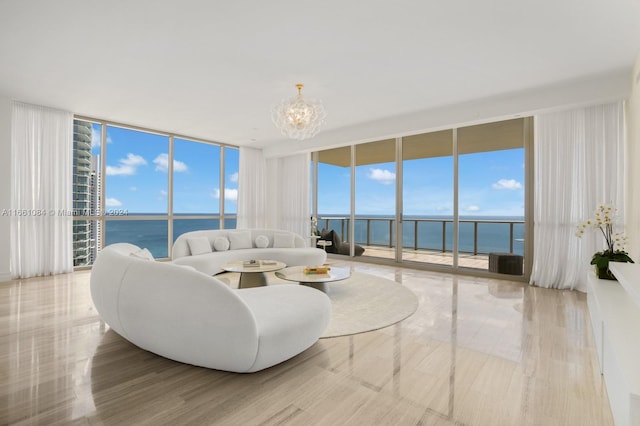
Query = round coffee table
x=317 y=281
x=253 y=276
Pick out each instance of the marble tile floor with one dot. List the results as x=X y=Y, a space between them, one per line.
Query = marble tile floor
x=477 y=352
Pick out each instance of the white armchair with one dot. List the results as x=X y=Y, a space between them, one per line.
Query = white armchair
x=188 y=316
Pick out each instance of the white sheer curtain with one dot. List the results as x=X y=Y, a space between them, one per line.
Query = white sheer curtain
x=273 y=193
x=41 y=191
x=288 y=193
x=251 y=189
x=579 y=164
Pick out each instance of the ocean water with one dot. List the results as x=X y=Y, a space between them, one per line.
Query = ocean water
x=428 y=230
x=153 y=234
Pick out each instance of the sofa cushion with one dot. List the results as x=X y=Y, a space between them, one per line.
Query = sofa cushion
x=345 y=249
x=336 y=240
x=221 y=244
x=283 y=241
x=324 y=233
x=199 y=245
x=211 y=263
x=262 y=241
x=328 y=235
x=240 y=240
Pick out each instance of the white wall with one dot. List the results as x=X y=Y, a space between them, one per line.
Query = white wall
x=596 y=90
x=5 y=186
x=632 y=207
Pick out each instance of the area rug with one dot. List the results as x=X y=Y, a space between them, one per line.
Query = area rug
x=360 y=303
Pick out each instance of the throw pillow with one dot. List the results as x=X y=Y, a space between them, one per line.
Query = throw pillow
x=262 y=241
x=221 y=244
x=144 y=254
x=199 y=245
x=283 y=241
x=240 y=240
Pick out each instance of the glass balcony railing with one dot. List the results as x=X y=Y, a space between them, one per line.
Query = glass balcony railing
x=476 y=236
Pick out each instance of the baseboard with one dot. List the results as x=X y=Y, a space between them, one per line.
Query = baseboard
x=5 y=277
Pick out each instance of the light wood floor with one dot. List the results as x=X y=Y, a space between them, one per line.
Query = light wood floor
x=477 y=352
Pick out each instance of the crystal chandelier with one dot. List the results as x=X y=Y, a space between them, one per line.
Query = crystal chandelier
x=298 y=118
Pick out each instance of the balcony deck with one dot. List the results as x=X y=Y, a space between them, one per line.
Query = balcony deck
x=466 y=260
x=507 y=233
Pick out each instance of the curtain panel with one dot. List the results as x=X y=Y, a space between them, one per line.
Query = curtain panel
x=251 y=189
x=288 y=194
x=579 y=164
x=273 y=193
x=41 y=191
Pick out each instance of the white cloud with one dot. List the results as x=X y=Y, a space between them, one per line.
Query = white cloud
x=162 y=164
x=133 y=160
x=385 y=177
x=229 y=194
x=120 y=170
x=133 y=188
x=163 y=193
x=96 y=138
x=112 y=202
x=127 y=165
x=233 y=177
x=510 y=184
x=179 y=166
x=472 y=208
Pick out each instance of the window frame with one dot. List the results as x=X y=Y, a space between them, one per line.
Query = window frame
x=101 y=215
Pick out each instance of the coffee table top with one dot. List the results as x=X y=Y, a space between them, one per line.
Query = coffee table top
x=296 y=273
x=262 y=266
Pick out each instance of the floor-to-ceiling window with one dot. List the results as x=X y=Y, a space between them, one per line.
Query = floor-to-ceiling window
x=334 y=192
x=375 y=197
x=147 y=188
x=491 y=188
x=196 y=183
x=136 y=184
x=427 y=198
x=462 y=201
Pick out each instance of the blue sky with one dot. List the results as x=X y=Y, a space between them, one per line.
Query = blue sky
x=137 y=173
x=490 y=184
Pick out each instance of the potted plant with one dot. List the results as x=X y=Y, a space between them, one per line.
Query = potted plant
x=603 y=220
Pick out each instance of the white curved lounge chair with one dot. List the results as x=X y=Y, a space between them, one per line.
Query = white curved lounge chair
x=188 y=316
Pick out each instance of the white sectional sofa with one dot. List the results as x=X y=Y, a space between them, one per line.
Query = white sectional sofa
x=208 y=250
x=191 y=317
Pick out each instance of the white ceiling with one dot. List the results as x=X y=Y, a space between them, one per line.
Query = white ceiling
x=213 y=69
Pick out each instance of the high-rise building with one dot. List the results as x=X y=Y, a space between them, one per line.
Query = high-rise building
x=95 y=225
x=86 y=195
x=81 y=190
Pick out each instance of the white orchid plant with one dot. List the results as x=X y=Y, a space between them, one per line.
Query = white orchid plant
x=603 y=220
